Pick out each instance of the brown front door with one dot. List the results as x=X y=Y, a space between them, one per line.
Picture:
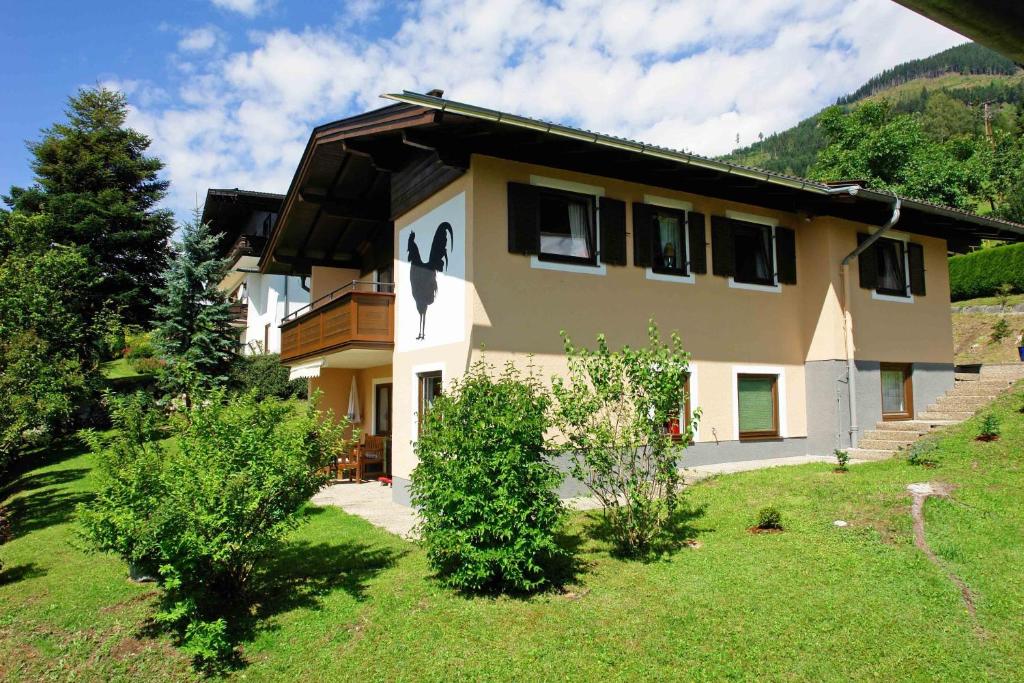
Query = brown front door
x=897 y=391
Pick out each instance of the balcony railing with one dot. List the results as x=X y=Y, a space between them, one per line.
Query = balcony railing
x=358 y=315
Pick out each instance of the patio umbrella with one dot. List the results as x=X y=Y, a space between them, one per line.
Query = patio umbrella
x=353 y=404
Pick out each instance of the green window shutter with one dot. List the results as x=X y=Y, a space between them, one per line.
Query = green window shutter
x=867 y=264
x=785 y=252
x=613 y=231
x=756 y=404
x=523 y=219
x=643 y=220
x=723 y=261
x=698 y=243
x=915 y=256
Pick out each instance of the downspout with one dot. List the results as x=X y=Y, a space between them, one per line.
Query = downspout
x=844 y=273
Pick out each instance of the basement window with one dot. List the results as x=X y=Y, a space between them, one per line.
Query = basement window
x=758 y=406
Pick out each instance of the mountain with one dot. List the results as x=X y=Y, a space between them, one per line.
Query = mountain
x=948 y=90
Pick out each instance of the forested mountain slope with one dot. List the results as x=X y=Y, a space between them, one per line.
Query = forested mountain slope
x=949 y=91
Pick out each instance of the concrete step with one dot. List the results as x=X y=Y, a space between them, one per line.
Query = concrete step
x=869 y=454
x=966 y=376
x=883 y=444
x=1012 y=371
x=986 y=388
x=902 y=435
x=922 y=426
x=946 y=415
x=959 y=403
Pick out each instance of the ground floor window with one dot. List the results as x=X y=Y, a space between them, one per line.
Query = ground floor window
x=758 y=406
x=897 y=392
x=382 y=409
x=429 y=389
x=677 y=422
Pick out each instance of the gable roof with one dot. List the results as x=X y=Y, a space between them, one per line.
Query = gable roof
x=339 y=202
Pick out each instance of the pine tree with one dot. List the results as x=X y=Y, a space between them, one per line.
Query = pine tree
x=93 y=178
x=193 y=318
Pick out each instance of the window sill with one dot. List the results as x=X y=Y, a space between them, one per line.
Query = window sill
x=760 y=437
x=892 y=298
x=650 y=274
x=587 y=269
x=776 y=288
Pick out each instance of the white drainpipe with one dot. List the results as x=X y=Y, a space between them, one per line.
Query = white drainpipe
x=844 y=272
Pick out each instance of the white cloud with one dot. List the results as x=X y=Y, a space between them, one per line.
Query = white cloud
x=249 y=8
x=199 y=39
x=682 y=73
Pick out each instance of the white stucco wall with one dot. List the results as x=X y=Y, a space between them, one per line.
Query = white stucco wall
x=271 y=298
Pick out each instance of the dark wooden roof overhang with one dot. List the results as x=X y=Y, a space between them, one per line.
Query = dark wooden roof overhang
x=228 y=211
x=357 y=174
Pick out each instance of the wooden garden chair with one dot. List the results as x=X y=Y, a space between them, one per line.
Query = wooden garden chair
x=370 y=453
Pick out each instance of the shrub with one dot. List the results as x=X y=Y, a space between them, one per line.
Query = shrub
x=613 y=413
x=990 y=428
x=768 y=518
x=922 y=453
x=484 y=485
x=1003 y=293
x=139 y=345
x=983 y=272
x=148 y=366
x=40 y=391
x=842 y=460
x=263 y=373
x=1000 y=330
x=203 y=510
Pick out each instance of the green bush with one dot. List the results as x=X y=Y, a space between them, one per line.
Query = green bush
x=990 y=427
x=40 y=391
x=139 y=345
x=982 y=272
x=484 y=485
x=842 y=460
x=204 y=509
x=768 y=518
x=613 y=412
x=923 y=453
x=264 y=374
x=1000 y=330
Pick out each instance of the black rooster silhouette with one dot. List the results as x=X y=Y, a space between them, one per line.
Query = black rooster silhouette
x=423 y=276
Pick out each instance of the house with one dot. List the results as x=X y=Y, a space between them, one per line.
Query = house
x=244 y=219
x=431 y=229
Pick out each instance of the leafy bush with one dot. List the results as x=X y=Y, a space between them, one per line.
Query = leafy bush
x=40 y=390
x=1000 y=330
x=768 y=518
x=203 y=510
x=922 y=453
x=842 y=460
x=484 y=485
x=263 y=374
x=139 y=345
x=613 y=413
x=990 y=428
x=983 y=272
x=148 y=366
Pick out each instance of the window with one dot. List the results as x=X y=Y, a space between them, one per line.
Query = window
x=385 y=279
x=758 y=406
x=669 y=243
x=892 y=270
x=266 y=338
x=566 y=222
x=755 y=257
x=430 y=388
x=897 y=392
x=676 y=425
x=382 y=409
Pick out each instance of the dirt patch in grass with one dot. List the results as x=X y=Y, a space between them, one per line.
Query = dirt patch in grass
x=972 y=338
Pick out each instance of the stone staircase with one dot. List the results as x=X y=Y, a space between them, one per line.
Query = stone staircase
x=971 y=392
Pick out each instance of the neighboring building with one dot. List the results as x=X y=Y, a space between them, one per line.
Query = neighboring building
x=502 y=230
x=245 y=219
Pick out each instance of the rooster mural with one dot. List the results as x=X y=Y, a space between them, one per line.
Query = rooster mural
x=423 y=275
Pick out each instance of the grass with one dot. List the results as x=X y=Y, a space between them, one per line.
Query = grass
x=815 y=602
x=119 y=368
x=1012 y=300
x=972 y=338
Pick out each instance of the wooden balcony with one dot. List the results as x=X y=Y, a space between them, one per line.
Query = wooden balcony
x=356 y=316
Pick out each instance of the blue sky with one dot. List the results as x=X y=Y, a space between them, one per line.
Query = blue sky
x=229 y=89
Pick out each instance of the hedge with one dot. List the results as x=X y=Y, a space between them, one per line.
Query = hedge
x=980 y=273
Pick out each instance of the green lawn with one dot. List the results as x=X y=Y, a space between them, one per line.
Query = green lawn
x=1011 y=300
x=351 y=602
x=119 y=369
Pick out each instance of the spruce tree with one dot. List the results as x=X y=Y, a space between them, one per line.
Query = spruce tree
x=101 y=190
x=193 y=325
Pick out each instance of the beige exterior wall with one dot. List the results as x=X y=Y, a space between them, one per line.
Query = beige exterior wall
x=323 y=280
x=514 y=309
x=336 y=384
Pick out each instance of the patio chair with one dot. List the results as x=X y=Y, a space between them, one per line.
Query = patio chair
x=370 y=453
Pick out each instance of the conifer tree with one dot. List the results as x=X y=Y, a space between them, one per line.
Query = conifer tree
x=193 y=318
x=101 y=190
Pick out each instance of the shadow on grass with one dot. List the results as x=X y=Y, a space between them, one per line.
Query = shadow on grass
x=20 y=572
x=40 y=499
x=299 y=575
x=677 y=533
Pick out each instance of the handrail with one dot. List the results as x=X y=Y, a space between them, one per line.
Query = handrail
x=347 y=288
